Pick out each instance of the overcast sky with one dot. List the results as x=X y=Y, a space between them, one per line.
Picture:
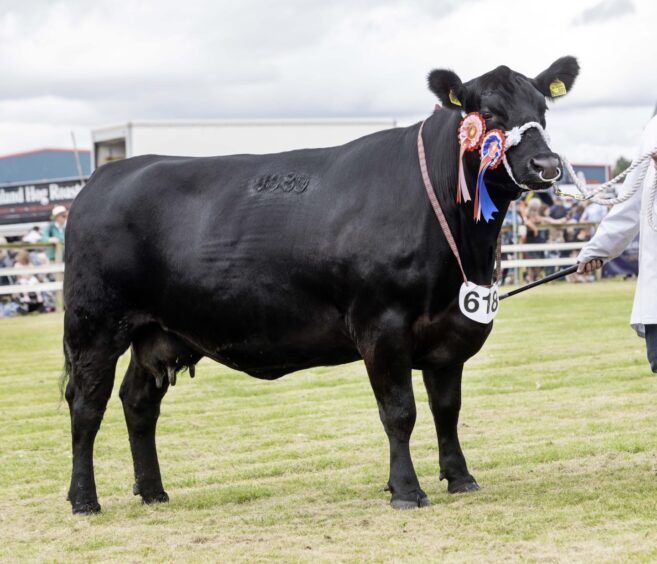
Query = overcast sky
x=75 y=65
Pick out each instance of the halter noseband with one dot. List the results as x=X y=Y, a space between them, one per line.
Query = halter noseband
x=513 y=137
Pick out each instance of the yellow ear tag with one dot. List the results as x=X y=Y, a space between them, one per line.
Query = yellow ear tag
x=454 y=100
x=557 y=88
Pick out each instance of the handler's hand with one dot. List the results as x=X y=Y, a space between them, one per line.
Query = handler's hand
x=589 y=266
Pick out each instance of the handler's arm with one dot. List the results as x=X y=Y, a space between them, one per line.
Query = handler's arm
x=617 y=229
x=615 y=232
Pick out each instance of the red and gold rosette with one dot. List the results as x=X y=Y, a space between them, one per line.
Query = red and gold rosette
x=470 y=134
x=471 y=131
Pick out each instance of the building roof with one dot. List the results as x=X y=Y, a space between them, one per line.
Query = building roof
x=42 y=165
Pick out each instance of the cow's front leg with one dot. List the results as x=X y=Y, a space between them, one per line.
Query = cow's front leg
x=141 y=396
x=389 y=369
x=444 y=389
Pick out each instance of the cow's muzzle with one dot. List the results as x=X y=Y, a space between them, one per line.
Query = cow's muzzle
x=545 y=168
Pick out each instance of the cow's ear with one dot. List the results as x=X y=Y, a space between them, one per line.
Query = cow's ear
x=558 y=78
x=448 y=87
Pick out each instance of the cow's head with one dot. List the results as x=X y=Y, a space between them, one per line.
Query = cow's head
x=507 y=99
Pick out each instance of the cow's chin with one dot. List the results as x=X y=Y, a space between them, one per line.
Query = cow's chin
x=532 y=182
x=537 y=186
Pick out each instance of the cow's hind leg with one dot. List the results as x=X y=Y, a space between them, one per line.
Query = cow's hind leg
x=141 y=398
x=91 y=351
x=444 y=390
x=389 y=369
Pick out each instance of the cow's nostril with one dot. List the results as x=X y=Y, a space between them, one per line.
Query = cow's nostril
x=547 y=168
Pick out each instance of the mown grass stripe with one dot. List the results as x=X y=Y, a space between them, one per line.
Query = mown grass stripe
x=559 y=425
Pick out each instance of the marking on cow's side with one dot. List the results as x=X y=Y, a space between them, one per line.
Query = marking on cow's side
x=290 y=182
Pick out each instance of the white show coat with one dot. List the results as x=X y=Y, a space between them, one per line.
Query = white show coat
x=621 y=226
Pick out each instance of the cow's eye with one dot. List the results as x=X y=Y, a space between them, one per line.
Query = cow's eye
x=487 y=115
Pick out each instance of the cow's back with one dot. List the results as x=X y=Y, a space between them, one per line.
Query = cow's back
x=299 y=207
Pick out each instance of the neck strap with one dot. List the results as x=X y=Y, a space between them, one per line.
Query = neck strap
x=442 y=220
x=435 y=204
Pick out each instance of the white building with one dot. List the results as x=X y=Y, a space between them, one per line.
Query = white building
x=225 y=137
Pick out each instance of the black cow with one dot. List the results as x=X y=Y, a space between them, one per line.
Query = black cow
x=275 y=263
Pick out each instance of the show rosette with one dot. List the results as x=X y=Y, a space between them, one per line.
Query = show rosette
x=492 y=153
x=471 y=132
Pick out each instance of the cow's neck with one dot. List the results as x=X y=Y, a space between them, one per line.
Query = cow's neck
x=476 y=240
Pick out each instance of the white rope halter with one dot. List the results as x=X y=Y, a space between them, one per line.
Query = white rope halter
x=514 y=136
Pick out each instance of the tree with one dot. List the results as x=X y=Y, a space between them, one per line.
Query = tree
x=621 y=164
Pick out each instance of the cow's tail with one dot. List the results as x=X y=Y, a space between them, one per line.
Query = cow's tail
x=65 y=375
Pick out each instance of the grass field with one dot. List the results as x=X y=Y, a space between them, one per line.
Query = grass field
x=559 y=426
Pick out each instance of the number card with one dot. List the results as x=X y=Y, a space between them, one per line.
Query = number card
x=479 y=303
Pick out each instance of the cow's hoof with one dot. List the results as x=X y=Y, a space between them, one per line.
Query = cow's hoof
x=86 y=508
x=159 y=497
x=463 y=486
x=150 y=497
x=410 y=501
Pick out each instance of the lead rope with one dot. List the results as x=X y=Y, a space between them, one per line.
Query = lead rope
x=585 y=194
x=514 y=136
x=442 y=220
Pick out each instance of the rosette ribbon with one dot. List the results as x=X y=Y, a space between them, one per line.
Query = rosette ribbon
x=471 y=132
x=492 y=152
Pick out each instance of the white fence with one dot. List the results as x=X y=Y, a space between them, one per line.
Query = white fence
x=57 y=268
x=540 y=262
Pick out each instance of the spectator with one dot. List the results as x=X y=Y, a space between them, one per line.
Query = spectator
x=29 y=301
x=556 y=237
x=510 y=218
x=575 y=213
x=558 y=210
x=5 y=262
x=535 y=217
x=8 y=307
x=55 y=231
x=33 y=235
x=594 y=213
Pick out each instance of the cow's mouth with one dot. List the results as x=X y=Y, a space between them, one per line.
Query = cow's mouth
x=539 y=185
x=544 y=183
x=536 y=180
x=530 y=182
